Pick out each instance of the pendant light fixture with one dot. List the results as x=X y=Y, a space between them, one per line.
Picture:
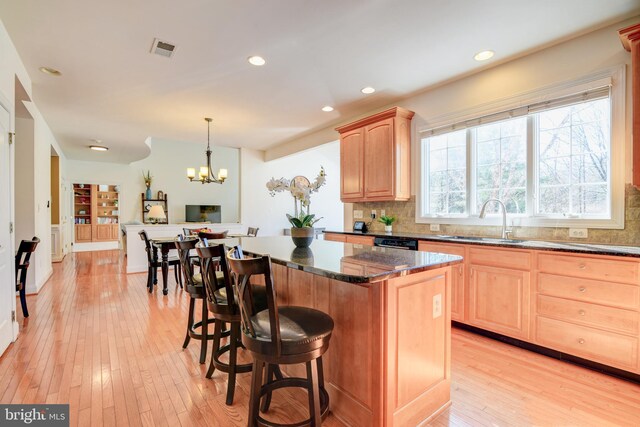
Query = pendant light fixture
x=205 y=175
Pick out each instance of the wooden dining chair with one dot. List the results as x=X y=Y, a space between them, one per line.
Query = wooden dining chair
x=26 y=248
x=153 y=263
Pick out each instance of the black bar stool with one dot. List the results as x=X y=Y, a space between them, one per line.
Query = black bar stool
x=26 y=248
x=222 y=304
x=194 y=287
x=280 y=335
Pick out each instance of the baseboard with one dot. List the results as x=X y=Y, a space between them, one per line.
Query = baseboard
x=96 y=246
x=140 y=268
x=595 y=366
x=40 y=284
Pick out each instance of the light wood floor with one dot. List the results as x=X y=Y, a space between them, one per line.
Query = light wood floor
x=97 y=340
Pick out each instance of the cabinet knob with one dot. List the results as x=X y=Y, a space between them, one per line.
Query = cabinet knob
x=580 y=340
x=582 y=312
x=582 y=289
x=582 y=266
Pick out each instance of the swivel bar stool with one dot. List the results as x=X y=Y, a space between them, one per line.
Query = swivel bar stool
x=280 y=336
x=222 y=304
x=194 y=287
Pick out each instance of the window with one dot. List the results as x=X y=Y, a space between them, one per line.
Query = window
x=549 y=162
x=573 y=153
x=501 y=165
x=448 y=173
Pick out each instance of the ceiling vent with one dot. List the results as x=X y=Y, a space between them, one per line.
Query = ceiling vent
x=163 y=48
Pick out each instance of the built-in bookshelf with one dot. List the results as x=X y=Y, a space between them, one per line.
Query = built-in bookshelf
x=96 y=212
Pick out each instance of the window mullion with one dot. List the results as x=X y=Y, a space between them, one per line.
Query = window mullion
x=532 y=166
x=471 y=173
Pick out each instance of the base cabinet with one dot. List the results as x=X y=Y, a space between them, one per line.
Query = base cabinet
x=499 y=300
x=83 y=233
x=458 y=312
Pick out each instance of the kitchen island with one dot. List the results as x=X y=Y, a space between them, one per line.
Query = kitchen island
x=388 y=362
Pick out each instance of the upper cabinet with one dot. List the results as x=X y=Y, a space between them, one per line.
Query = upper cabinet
x=375 y=162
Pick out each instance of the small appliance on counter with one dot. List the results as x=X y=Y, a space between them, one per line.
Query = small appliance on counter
x=360 y=226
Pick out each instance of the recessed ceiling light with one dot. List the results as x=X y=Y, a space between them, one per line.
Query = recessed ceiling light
x=98 y=147
x=367 y=90
x=50 y=71
x=327 y=108
x=258 y=61
x=484 y=55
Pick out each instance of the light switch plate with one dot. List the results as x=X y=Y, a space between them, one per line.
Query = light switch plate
x=578 y=233
x=437 y=306
x=374 y=214
x=357 y=214
x=382 y=213
x=434 y=227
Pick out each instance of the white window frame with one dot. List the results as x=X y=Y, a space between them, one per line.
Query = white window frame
x=614 y=76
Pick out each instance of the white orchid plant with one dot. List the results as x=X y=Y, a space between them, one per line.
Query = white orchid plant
x=301 y=190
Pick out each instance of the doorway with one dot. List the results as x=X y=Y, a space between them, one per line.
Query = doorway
x=7 y=282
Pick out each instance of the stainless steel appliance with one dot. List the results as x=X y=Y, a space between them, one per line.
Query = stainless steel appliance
x=406 y=243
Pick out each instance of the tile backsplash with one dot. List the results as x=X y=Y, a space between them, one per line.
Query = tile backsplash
x=405 y=214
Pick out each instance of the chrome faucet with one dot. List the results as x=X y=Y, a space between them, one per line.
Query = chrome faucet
x=483 y=213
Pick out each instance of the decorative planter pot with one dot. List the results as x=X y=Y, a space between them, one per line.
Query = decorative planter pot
x=388 y=228
x=303 y=236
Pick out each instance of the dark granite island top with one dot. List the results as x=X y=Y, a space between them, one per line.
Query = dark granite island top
x=388 y=362
x=337 y=260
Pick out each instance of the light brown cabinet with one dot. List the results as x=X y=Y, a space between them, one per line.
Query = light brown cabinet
x=83 y=233
x=457 y=276
x=349 y=238
x=375 y=155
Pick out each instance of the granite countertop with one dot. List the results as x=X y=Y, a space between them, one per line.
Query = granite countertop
x=343 y=261
x=586 y=248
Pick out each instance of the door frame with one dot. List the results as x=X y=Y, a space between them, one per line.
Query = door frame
x=7 y=105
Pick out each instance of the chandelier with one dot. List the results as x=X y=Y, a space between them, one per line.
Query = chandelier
x=205 y=175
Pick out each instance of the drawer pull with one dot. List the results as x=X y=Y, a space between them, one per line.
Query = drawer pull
x=582 y=289
x=582 y=266
x=580 y=340
x=582 y=312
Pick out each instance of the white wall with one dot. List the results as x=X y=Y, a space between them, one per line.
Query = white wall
x=261 y=210
x=11 y=67
x=168 y=164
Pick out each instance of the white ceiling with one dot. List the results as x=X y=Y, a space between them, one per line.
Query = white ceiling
x=318 y=53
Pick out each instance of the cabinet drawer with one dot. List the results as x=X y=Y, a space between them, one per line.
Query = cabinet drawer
x=360 y=240
x=589 y=314
x=507 y=258
x=589 y=268
x=335 y=237
x=607 y=293
x=604 y=347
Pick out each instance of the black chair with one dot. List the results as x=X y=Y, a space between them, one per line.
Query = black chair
x=153 y=263
x=26 y=248
x=252 y=232
x=280 y=335
x=222 y=304
x=194 y=287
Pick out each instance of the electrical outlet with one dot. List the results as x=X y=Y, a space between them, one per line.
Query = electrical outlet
x=373 y=214
x=437 y=306
x=382 y=213
x=434 y=227
x=578 y=233
x=357 y=214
